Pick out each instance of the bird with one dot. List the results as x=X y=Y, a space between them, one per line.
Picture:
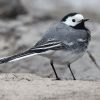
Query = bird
x=63 y=43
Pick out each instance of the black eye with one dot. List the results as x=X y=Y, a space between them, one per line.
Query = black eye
x=73 y=20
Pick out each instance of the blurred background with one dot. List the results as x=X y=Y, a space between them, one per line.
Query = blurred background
x=23 y=22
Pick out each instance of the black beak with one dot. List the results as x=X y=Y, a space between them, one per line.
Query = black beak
x=84 y=20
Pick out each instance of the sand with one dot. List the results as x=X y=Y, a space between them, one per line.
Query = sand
x=32 y=87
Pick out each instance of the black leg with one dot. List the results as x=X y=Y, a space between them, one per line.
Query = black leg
x=71 y=72
x=57 y=78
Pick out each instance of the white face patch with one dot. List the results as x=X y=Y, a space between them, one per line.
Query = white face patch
x=74 y=20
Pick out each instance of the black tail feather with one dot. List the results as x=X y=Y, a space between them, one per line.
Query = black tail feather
x=10 y=58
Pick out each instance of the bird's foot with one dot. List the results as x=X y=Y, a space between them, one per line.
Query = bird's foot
x=74 y=78
x=58 y=78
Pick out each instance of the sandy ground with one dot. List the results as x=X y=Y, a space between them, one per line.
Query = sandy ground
x=32 y=87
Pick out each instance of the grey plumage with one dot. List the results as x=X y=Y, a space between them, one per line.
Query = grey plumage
x=65 y=35
x=63 y=43
x=59 y=36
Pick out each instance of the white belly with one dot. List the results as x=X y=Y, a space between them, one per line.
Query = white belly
x=62 y=57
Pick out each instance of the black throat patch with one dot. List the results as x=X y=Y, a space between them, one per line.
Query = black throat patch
x=80 y=26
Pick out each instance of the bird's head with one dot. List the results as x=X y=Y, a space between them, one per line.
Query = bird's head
x=74 y=20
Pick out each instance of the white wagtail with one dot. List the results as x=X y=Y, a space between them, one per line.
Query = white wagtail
x=63 y=43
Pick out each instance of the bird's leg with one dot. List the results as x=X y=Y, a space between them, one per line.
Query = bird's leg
x=57 y=78
x=71 y=72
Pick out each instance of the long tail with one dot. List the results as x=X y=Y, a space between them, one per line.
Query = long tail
x=16 y=57
x=33 y=51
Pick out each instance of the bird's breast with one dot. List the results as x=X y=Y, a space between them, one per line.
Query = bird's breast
x=62 y=57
